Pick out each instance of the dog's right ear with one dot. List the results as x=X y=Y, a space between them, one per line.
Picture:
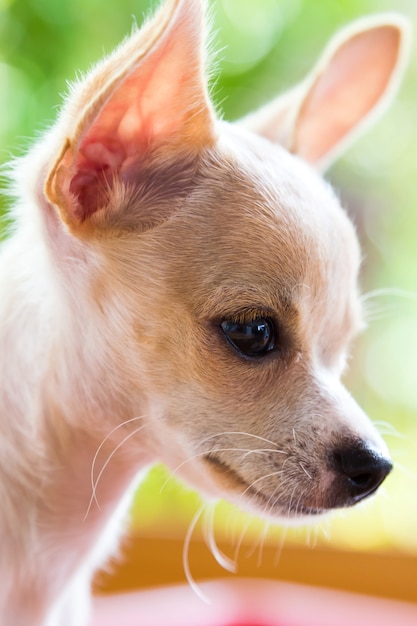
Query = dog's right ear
x=354 y=78
x=150 y=94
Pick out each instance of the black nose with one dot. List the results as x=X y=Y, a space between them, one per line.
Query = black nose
x=360 y=470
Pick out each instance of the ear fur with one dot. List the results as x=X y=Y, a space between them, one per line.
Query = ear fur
x=151 y=92
x=355 y=78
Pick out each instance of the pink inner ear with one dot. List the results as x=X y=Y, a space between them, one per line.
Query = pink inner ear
x=118 y=135
x=153 y=104
x=349 y=88
x=97 y=164
x=151 y=94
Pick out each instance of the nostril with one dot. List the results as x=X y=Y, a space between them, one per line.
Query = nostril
x=362 y=480
x=362 y=469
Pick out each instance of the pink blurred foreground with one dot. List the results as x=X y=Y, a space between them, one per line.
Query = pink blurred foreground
x=250 y=603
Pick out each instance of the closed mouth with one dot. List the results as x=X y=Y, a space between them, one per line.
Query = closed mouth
x=286 y=508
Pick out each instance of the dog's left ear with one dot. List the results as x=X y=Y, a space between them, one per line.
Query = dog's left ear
x=355 y=77
x=149 y=97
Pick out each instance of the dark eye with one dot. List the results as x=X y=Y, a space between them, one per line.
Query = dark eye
x=254 y=338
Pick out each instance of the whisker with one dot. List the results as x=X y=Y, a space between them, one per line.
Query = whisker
x=276 y=473
x=269 y=506
x=405 y=471
x=109 y=458
x=294 y=436
x=324 y=529
x=305 y=471
x=280 y=546
x=241 y=433
x=290 y=503
x=389 y=292
x=264 y=536
x=312 y=536
x=255 y=545
x=272 y=501
x=259 y=543
x=209 y=537
x=106 y=438
x=246 y=451
x=378 y=313
x=260 y=450
x=241 y=538
x=385 y=428
x=185 y=555
x=374 y=311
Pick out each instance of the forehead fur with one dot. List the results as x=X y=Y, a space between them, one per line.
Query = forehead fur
x=252 y=197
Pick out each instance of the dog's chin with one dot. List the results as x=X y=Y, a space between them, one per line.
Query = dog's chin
x=246 y=496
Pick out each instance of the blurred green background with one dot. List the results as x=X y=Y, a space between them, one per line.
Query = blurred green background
x=266 y=46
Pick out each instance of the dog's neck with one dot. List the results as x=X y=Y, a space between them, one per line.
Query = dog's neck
x=62 y=451
x=60 y=383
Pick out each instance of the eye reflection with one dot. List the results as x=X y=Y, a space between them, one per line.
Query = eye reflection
x=254 y=338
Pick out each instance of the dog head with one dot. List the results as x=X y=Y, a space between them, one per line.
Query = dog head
x=221 y=267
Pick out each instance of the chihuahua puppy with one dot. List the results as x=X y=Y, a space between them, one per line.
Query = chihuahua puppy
x=181 y=289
